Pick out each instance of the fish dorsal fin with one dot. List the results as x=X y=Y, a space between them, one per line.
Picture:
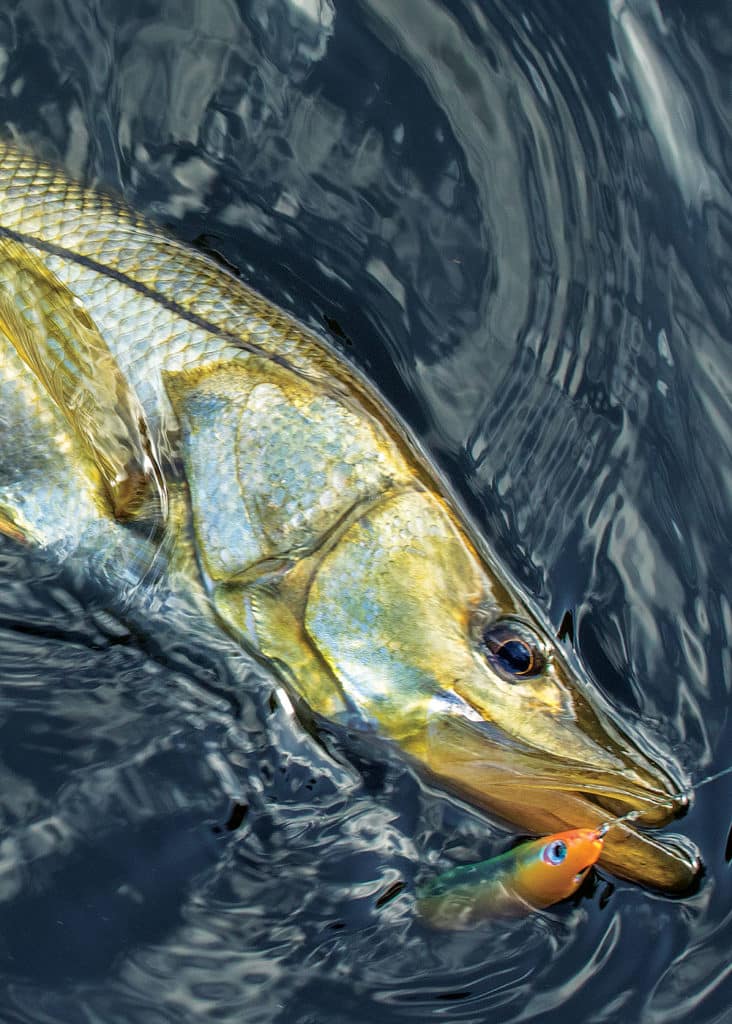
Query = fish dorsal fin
x=56 y=338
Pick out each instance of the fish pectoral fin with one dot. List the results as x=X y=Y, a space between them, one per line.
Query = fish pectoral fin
x=8 y=528
x=267 y=621
x=58 y=341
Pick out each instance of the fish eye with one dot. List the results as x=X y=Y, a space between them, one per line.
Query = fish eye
x=555 y=852
x=514 y=650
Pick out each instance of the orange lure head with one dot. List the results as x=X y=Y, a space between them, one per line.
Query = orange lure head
x=532 y=876
x=551 y=869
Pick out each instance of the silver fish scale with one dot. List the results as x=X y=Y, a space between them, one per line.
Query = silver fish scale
x=286 y=462
x=33 y=482
x=227 y=538
x=141 y=333
x=43 y=205
x=287 y=465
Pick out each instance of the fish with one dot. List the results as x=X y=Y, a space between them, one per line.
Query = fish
x=532 y=876
x=176 y=436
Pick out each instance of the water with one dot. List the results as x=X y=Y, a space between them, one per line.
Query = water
x=516 y=218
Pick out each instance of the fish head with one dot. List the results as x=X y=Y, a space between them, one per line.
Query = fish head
x=330 y=554
x=431 y=643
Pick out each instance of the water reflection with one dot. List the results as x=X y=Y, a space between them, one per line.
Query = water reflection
x=518 y=214
x=645 y=46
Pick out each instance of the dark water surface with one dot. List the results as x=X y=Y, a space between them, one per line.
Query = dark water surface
x=517 y=218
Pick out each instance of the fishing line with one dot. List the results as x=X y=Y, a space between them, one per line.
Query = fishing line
x=681 y=795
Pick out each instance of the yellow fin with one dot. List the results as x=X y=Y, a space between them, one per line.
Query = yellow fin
x=10 y=529
x=57 y=339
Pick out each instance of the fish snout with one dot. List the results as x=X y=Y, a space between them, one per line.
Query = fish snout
x=544 y=793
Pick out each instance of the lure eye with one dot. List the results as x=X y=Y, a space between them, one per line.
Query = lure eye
x=514 y=650
x=555 y=852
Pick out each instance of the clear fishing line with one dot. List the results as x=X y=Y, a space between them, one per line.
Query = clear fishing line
x=681 y=795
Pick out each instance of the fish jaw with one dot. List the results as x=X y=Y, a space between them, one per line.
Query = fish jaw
x=545 y=795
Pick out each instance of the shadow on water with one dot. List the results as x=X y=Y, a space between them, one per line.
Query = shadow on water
x=516 y=219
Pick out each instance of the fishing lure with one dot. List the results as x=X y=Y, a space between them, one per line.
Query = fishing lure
x=530 y=877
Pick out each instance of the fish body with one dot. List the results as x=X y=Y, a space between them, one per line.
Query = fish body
x=178 y=435
x=532 y=876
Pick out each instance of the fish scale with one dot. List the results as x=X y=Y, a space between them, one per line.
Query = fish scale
x=45 y=207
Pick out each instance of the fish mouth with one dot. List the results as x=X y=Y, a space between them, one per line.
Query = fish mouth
x=545 y=793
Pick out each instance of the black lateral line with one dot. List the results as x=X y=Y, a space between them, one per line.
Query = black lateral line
x=170 y=304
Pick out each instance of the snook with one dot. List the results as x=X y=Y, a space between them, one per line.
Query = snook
x=155 y=411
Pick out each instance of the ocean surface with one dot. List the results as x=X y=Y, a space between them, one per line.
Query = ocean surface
x=516 y=217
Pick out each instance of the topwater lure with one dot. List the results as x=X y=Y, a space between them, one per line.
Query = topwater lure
x=532 y=876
